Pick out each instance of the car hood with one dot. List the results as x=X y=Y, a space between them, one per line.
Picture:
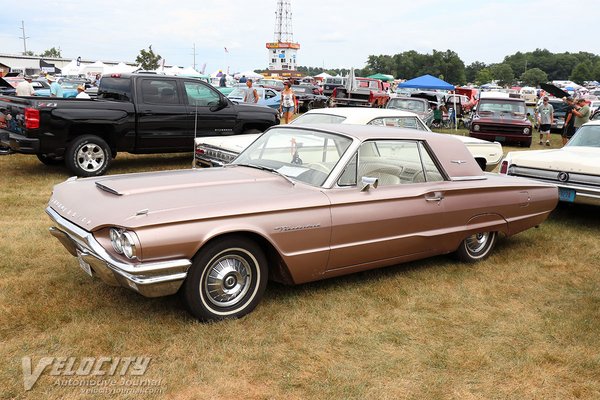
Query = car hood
x=569 y=159
x=144 y=199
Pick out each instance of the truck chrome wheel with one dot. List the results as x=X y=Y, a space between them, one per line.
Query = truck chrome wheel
x=226 y=280
x=88 y=155
x=477 y=246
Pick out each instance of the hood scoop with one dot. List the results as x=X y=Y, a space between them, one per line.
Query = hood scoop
x=107 y=189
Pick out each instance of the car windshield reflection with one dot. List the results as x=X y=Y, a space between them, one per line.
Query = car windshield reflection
x=586 y=136
x=302 y=155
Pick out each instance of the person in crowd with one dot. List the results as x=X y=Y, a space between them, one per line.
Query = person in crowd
x=223 y=80
x=437 y=115
x=81 y=94
x=288 y=102
x=569 y=127
x=243 y=79
x=581 y=112
x=251 y=95
x=97 y=80
x=55 y=88
x=545 y=116
x=25 y=88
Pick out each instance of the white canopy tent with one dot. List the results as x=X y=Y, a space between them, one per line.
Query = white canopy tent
x=94 y=68
x=191 y=72
x=71 y=69
x=120 y=68
x=248 y=74
x=323 y=75
x=174 y=70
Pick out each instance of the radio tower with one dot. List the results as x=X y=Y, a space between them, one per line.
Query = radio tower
x=282 y=51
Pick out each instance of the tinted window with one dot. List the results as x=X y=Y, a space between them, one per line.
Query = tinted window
x=159 y=91
x=115 y=89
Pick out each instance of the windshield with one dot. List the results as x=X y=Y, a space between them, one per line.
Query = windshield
x=407 y=104
x=586 y=136
x=318 y=118
x=302 y=155
x=516 y=108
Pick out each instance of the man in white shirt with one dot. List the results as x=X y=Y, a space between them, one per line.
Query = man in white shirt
x=81 y=94
x=25 y=88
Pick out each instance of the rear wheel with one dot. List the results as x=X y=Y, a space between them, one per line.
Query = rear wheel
x=88 y=155
x=477 y=246
x=50 y=159
x=226 y=280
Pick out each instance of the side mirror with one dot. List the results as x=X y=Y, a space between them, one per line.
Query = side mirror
x=222 y=103
x=368 y=182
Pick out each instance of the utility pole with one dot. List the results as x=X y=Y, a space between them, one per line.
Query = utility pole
x=24 y=38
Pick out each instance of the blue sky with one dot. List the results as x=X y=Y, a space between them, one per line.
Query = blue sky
x=332 y=33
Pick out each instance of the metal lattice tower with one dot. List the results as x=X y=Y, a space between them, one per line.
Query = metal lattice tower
x=283 y=22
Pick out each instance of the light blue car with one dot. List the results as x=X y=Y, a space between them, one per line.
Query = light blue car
x=266 y=97
x=69 y=89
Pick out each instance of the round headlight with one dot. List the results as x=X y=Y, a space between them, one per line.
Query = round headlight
x=115 y=239
x=476 y=128
x=526 y=131
x=128 y=245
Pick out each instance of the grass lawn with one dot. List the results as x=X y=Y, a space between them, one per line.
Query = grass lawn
x=523 y=324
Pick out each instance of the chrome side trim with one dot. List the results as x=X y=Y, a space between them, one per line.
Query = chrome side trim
x=468 y=178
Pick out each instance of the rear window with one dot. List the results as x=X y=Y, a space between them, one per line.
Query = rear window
x=318 y=119
x=115 y=89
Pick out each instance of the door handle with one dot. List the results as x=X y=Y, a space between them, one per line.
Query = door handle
x=435 y=196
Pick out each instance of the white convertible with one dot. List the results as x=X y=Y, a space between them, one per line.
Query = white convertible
x=219 y=150
x=575 y=168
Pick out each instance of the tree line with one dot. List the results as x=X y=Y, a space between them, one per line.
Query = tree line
x=530 y=68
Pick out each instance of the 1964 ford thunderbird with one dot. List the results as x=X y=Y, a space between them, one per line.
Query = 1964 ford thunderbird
x=301 y=203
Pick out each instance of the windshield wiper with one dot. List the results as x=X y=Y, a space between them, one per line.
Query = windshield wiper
x=263 y=168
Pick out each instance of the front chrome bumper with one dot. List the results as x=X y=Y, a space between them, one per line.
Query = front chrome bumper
x=152 y=279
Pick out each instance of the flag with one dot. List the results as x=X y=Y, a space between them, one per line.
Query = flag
x=226 y=51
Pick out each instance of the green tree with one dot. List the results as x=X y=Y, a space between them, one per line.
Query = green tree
x=51 y=53
x=582 y=72
x=484 y=76
x=503 y=73
x=533 y=77
x=472 y=69
x=148 y=60
x=29 y=53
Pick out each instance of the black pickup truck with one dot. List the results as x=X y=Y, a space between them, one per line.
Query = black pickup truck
x=135 y=113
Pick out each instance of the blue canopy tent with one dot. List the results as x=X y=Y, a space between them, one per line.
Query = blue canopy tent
x=431 y=83
x=427 y=82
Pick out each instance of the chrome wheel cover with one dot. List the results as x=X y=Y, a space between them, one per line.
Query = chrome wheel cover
x=90 y=157
x=227 y=280
x=476 y=243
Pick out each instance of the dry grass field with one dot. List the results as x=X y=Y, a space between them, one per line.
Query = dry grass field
x=523 y=324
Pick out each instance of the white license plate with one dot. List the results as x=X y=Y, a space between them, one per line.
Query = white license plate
x=84 y=266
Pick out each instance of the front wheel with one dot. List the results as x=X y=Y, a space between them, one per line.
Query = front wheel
x=226 y=280
x=476 y=247
x=88 y=155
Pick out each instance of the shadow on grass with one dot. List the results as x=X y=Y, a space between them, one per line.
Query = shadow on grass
x=576 y=216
